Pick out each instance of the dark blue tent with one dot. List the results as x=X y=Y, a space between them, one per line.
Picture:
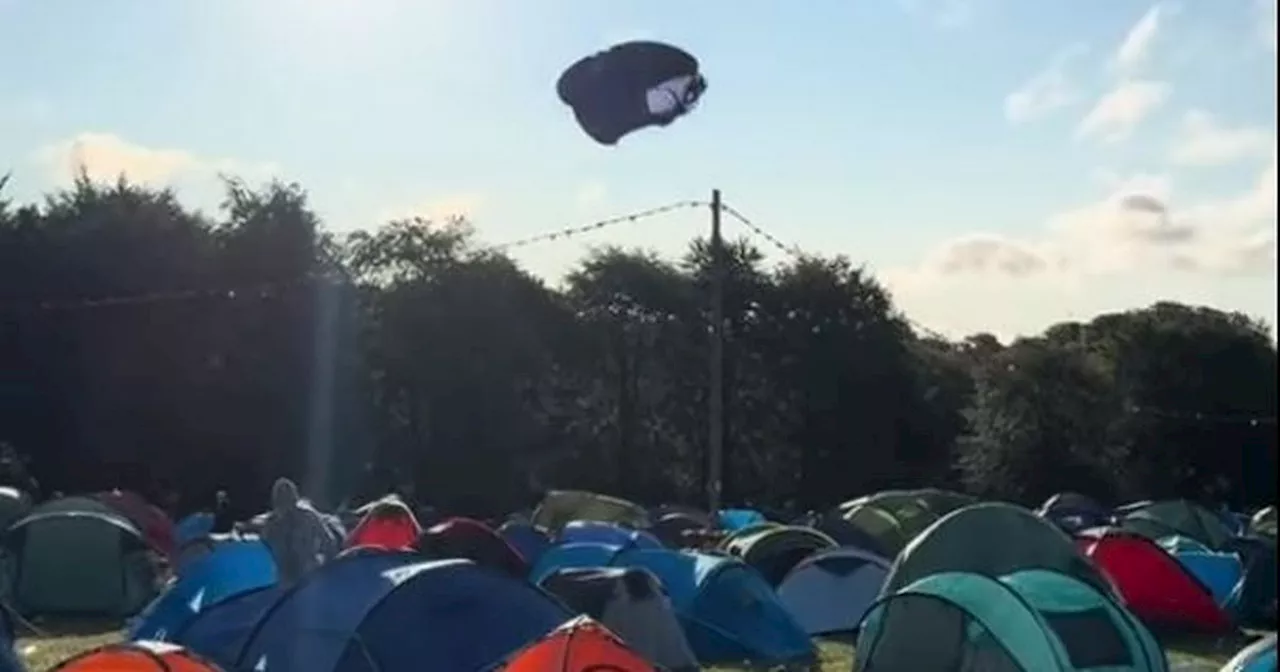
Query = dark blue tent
x=230 y=569
x=529 y=541
x=219 y=632
x=393 y=612
x=597 y=532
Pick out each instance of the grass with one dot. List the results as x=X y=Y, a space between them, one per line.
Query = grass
x=60 y=641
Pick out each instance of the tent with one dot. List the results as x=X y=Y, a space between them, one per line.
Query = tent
x=737 y=519
x=193 y=528
x=743 y=532
x=581 y=645
x=8 y=658
x=631 y=603
x=1259 y=656
x=846 y=533
x=1154 y=585
x=559 y=507
x=1254 y=603
x=1178 y=517
x=705 y=520
x=77 y=556
x=525 y=539
x=219 y=632
x=1263 y=523
x=673 y=529
x=14 y=504
x=475 y=541
x=596 y=532
x=962 y=541
x=728 y=612
x=138 y=657
x=388 y=524
x=353 y=611
x=230 y=570
x=774 y=551
x=1073 y=511
x=1031 y=620
x=830 y=591
x=156 y=526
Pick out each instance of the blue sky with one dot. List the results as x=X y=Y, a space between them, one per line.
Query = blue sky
x=1001 y=164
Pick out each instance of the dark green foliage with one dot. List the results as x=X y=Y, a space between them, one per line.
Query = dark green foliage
x=254 y=344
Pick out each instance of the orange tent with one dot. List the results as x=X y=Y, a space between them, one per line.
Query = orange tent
x=137 y=657
x=581 y=645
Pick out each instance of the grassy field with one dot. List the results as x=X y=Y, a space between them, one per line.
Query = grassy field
x=61 y=641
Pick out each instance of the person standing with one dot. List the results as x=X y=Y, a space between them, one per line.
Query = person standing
x=295 y=533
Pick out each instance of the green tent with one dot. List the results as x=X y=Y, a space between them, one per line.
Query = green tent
x=992 y=539
x=1179 y=517
x=773 y=551
x=77 y=556
x=1032 y=620
x=892 y=522
x=561 y=507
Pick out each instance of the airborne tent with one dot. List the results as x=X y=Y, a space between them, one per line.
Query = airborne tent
x=1032 y=620
x=350 y=615
x=77 y=556
x=961 y=541
x=831 y=590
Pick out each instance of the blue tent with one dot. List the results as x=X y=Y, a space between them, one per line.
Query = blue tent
x=1259 y=656
x=394 y=612
x=228 y=570
x=1221 y=573
x=192 y=528
x=728 y=612
x=219 y=632
x=736 y=519
x=596 y=532
x=529 y=541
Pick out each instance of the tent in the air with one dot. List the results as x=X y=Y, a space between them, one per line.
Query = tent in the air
x=773 y=551
x=138 y=657
x=1033 y=620
x=1155 y=586
x=228 y=571
x=966 y=541
x=355 y=610
x=630 y=602
x=728 y=612
x=78 y=556
x=831 y=590
x=581 y=645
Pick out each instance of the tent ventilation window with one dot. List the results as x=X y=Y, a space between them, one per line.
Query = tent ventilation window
x=1090 y=638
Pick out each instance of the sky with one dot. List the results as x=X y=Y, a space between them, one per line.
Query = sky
x=1001 y=165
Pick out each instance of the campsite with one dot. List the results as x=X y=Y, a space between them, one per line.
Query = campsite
x=597 y=580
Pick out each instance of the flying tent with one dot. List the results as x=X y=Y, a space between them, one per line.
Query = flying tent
x=961 y=542
x=353 y=611
x=774 y=551
x=1031 y=620
x=77 y=556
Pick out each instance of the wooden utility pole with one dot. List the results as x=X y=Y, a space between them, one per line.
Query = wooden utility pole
x=715 y=405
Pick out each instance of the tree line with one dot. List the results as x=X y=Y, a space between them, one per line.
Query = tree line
x=145 y=345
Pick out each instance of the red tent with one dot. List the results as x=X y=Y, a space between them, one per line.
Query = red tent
x=156 y=526
x=581 y=645
x=1153 y=584
x=388 y=525
x=138 y=657
x=475 y=541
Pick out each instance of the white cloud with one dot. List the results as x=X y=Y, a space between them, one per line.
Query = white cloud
x=1137 y=227
x=1136 y=47
x=1122 y=109
x=1203 y=141
x=1047 y=90
x=465 y=204
x=104 y=156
